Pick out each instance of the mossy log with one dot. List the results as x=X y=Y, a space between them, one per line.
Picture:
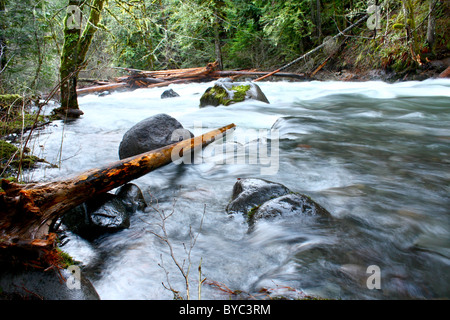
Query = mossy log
x=27 y=211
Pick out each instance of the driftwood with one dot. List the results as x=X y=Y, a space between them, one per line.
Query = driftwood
x=161 y=78
x=445 y=73
x=102 y=88
x=27 y=211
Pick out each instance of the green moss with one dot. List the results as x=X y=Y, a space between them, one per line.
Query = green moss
x=221 y=95
x=11 y=159
x=14 y=123
x=7 y=100
x=66 y=259
x=398 y=26
x=251 y=213
x=7 y=150
x=215 y=96
x=218 y=95
x=240 y=92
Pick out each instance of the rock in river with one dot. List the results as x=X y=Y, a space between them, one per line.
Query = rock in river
x=152 y=133
x=251 y=193
x=169 y=93
x=106 y=213
x=258 y=199
x=228 y=92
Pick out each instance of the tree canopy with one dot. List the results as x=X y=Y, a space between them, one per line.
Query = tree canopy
x=168 y=34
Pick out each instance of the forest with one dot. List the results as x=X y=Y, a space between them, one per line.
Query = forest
x=173 y=34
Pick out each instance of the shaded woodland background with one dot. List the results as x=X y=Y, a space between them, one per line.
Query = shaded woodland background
x=258 y=34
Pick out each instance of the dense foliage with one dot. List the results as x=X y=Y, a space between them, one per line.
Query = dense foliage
x=262 y=34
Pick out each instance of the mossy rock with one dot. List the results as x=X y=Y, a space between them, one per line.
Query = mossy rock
x=10 y=158
x=7 y=150
x=226 y=93
x=7 y=100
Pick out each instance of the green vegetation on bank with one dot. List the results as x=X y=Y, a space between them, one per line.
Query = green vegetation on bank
x=259 y=34
x=17 y=117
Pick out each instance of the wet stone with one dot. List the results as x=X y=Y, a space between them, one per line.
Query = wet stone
x=107 y=213
x=169 y=93
x=152 y=133
x=261 y=199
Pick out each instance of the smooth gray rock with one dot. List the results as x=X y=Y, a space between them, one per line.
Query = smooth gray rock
x=251 y=193
x=261 y=199
x=289 y=205
x=152 y=133
x=169 y=93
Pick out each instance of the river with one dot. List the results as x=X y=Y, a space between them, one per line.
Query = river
x=375 y=155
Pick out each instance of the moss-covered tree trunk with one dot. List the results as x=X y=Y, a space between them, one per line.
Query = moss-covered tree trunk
x=74 y=52
x=410 y=25
x=431 y=30
x=218 y=13
x=3 y=60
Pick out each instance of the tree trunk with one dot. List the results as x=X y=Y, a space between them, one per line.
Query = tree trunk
x=318 y=20
x=411 y=33
x=218 y=14
x=3 y=59
x=217 y=46
x=69 y=58
x=431 y=30
x=75 y=49
x=26 y=211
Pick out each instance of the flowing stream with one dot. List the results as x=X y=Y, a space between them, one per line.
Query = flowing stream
x=375 y=155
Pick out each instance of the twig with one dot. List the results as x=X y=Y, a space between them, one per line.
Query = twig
x=184 y=270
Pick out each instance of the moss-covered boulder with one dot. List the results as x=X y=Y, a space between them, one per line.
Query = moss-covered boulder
x=7 y=100
x=226 y=92
x=10 y=156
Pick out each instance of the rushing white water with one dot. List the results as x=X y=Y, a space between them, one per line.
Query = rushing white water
x=376 y=155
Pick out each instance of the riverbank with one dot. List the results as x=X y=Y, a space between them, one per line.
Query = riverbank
x=432 y=70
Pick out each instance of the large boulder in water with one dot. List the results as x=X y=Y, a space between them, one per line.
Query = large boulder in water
x=227 y=92
x=251 y=193
x=107 y=213
x=152 y=133
x=261 y=199
x=290 y=204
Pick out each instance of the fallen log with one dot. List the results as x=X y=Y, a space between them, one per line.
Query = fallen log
x=27 y=211
x=101 y=88
x=151 y=79
x=445 y=73
x=162 y=78
x=219 y=74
